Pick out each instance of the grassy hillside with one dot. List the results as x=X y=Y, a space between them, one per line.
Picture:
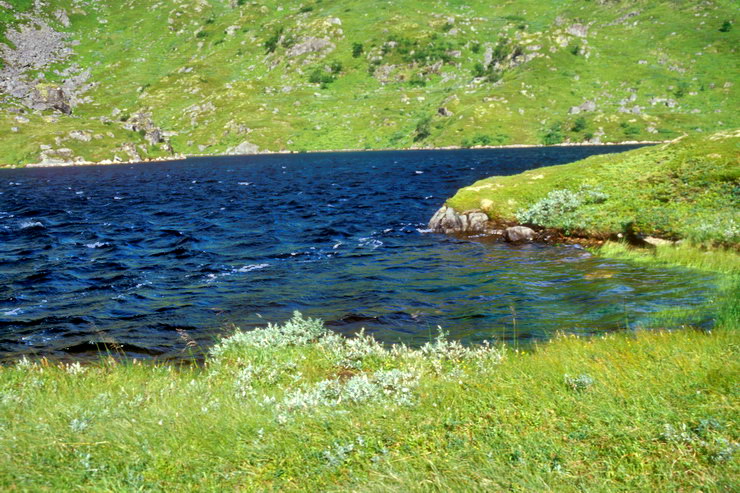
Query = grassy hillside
x=214 y=74
x=689 y=189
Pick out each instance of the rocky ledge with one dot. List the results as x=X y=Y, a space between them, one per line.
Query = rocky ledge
x=447 y=220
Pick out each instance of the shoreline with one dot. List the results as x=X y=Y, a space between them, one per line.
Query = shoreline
x=182 y=157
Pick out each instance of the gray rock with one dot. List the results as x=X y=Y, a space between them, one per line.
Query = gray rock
x=517 y=234
x=310 y=45
x=582 y=108
x=478 y=221
x=447 y=220
x=46 y=97
x=62 y=17
x=578 y=30
x=444 y=112
x=142 y=122
x=243 y=148
x=82 y=136
x=384 y=73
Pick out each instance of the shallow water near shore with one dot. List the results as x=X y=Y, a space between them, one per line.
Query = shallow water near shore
x=133 y=255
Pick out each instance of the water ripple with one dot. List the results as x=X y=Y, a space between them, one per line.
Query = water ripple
x=124 y=257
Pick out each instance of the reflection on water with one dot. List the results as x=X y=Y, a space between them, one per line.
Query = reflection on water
x=133 y=253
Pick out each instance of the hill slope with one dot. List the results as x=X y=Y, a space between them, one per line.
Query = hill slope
x=97 y=80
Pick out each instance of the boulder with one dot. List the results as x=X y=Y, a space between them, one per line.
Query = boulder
x=50 y=97
x=444 y=112
x=478 y=221
x=142 y=122
x=517 y=234
x=578 y=30
x=243 y=148
x=582 y=108
x=447 y=220
x=310 y=45
x=80 y=135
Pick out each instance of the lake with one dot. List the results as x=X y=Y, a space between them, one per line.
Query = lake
x=145 y=256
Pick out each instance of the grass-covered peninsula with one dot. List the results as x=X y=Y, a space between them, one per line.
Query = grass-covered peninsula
x=684 y=190
x=108 y=81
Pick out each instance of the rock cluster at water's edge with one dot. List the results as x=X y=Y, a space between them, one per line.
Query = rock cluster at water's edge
x=447 y=220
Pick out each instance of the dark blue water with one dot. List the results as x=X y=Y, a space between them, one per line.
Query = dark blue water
x=134 y=254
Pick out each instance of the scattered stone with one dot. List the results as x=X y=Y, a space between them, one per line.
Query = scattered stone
x=79 y=135
x=583 y=108
x=46 y=96
x=383 y=73
x=311 y=45
x=142 y=122
x=578 y=30
x=444 y=112
x=61 y=16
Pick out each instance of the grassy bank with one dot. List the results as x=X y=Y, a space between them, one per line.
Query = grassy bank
x=298 y=408
x=682 y=190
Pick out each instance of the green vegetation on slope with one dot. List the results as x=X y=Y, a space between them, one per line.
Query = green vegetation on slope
x=352 y=74
x=689 y=189
x=297 y=408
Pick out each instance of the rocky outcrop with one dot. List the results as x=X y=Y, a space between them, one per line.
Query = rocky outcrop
x=311 y=45
x=33 y=48
x=47 y=96
x=142 y=123
x=447 y=220
x=243 y=148
x=585 y=107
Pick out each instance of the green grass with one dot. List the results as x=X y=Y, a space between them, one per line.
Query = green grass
x=168 y=59
x=646 y=411
x=683 y=190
